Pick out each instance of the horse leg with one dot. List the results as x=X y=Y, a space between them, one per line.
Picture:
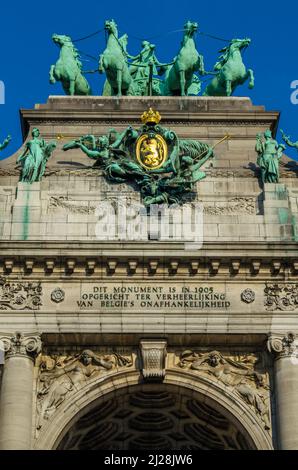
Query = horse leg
x=52 y=74
x=200 y=65
x=101 y=67
x=228 y=88
x=71 y=90
x=250 y=75
x=182 y=82
x=119 y=82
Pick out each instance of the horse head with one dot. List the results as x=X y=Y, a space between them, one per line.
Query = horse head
x=190 y=28
x=231 y=71
x=227 y=52
x=61 y=40
x=239 y=44
x=235 y=45
x=111 y=27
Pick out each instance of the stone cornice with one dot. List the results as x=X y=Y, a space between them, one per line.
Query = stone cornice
x=272 y=261
x=256 y=249
x=188 y=111
x=234 y=118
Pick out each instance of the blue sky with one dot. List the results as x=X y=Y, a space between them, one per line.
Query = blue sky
x=27 y=50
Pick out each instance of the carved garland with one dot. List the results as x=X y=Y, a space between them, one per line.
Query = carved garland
x=281 y=297
x=237 y=205
x=20 y=295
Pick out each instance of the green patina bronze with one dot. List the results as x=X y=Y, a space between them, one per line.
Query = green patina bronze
x=180 y=76
x=269 y=154
x=285 y=219
x=230 y=70
x=114 y=63
x=143 y=71
x=140 y=76
x=68 y=69
x=5 y=143
x=173 y=165
x=145 y=75
x=287 y=140
x=34 y=158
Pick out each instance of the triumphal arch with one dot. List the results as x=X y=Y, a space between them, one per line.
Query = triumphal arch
x=122 y=328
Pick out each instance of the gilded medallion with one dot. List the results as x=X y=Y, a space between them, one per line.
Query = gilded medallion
x=151 y=151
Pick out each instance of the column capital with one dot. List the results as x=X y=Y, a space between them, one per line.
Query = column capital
x=19 y=344
x=282 y=345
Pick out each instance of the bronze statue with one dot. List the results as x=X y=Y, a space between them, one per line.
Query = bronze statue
x=164 y=167
x=34 y=158
x=269 y=153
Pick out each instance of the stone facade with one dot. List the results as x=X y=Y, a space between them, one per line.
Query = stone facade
x=149 y=334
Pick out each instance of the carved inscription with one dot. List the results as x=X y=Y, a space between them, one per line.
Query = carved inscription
x=111 y=296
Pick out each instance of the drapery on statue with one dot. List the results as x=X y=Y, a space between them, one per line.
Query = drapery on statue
x=238 y=375
x=34 y=158
x=5 y=143
x=164 y=168
x=269 y=154
x=143 y=69
x=68 y=69
x=231 y=71
x=287 y=140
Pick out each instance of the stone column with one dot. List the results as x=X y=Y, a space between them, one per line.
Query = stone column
x=17 y=391
x=284 y=349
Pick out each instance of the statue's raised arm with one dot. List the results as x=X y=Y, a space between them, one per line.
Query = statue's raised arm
x=287 y=140
x=5 y=143
x=96 y=148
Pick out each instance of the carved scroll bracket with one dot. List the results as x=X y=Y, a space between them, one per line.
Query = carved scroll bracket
x=153 y=356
